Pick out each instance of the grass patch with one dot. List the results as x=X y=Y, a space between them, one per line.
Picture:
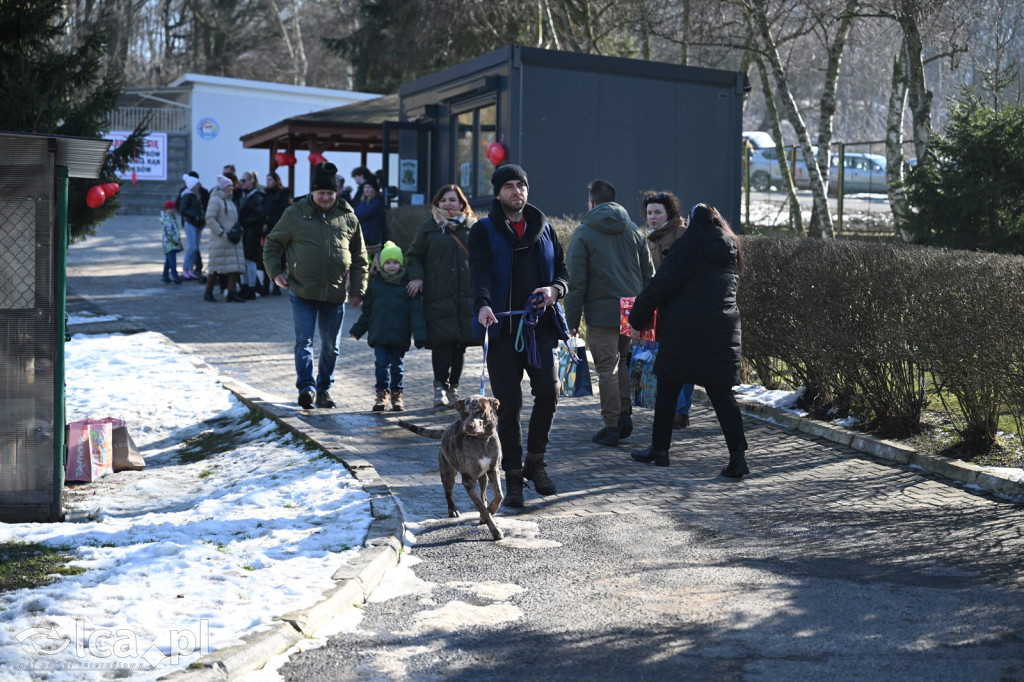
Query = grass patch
x=25 y=565
x=227 y=434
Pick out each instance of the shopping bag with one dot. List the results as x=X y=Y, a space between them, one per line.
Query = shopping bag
x=573 y=370
x=89 y=450
x=625 y=306
x=126 y=454
x=643 y=385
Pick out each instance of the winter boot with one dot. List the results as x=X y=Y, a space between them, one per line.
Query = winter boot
x=513 y=488
x=396 y=401
x=535 y=470
x=439 y=394
x=625 y=424
x=451 y=395
x=681 y=421
x=381 y=403
x=651 y=456
x=737 y=466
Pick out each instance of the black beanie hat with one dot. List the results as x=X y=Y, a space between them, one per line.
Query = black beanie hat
x=503 y=174
x=325 y=177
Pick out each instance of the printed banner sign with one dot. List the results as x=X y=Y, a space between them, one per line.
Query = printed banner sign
x=152 y=161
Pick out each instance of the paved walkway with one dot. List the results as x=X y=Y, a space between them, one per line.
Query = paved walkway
x=799 y=490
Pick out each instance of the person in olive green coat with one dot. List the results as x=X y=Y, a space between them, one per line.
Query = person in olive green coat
x=391 y=316
x=439 y=269
x=320 y=238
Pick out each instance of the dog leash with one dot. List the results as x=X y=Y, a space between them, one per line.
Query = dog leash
x=525 y=340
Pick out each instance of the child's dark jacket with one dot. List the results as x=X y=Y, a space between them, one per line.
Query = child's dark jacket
x=390 y=315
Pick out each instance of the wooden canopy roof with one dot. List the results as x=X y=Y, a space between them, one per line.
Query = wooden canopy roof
x=356 y=127
x=351 y=128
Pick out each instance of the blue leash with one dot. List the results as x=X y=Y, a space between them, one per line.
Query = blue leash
x=525 y=340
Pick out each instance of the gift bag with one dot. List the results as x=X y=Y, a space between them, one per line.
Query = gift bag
x=89 y=450
x=643 y=385
x=625 y=306
x=573 y=373
x=126 y=454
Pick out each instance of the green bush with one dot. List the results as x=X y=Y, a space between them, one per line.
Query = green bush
x=862 y=325
x=968 y=193
x=403 y=221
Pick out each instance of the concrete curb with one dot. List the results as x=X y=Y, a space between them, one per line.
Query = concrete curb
x=354 y=581
x=954 y=470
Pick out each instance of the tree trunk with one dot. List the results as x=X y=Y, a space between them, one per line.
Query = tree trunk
x=827 y=103
x=796 y=218
x=918 y=96
x=894 y=142
x=758 y=19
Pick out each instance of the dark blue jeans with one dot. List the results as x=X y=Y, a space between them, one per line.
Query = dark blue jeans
x=390 y=368
x=170 y=267
x=307 y=315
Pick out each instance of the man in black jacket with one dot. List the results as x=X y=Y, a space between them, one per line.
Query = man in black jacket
x=514 y=254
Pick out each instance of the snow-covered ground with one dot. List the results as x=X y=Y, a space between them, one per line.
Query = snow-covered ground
x=180 y=558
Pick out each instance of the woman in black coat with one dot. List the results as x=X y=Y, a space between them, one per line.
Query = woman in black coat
x=694 y=292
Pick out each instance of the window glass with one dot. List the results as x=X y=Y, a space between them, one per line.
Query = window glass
x=464 y=152
x=488 y=133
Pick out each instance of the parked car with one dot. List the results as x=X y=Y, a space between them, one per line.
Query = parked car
x=758 y=139
x=861 y=173
x=764 y=168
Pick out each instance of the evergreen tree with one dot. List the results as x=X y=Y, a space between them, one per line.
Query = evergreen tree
x=53 y=87
x=969 y=193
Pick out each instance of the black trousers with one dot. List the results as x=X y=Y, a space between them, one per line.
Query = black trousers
x=726 y=409
x=447 y=362
x=505 y=366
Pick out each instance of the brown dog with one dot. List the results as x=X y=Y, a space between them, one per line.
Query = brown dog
x=470 y=447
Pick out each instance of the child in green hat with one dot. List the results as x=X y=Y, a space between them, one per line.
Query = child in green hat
x=391 y=317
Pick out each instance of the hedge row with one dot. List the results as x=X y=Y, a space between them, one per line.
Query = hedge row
x=863 y=326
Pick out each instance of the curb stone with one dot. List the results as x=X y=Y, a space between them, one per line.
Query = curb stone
x=355 y=580
x=959 y=471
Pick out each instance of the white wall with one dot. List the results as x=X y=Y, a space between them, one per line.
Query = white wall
x=239 y=107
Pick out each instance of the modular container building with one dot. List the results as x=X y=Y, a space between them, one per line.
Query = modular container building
x=569 y=118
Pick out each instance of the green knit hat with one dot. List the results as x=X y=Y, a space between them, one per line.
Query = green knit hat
x=391 y=252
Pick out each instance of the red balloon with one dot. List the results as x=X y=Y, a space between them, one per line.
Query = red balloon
x=495 y=153
x=290 y=160
x=281 y=158
x=316 y=158
x=110 y=188
x=95 y=196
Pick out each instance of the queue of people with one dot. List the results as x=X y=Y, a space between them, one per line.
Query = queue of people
x=494 y=282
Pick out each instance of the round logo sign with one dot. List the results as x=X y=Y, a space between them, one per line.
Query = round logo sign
x=208 y=129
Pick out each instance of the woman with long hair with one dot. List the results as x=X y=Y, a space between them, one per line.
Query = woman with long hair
x=699 y=337
x=665 y=227
x=438 y=266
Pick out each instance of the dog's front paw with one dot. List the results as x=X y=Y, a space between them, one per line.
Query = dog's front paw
x=453 y=513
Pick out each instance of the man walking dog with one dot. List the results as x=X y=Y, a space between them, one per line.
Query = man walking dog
x=516 y=265
x=608 y=259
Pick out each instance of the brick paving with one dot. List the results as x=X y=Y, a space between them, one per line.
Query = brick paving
x=118 y=272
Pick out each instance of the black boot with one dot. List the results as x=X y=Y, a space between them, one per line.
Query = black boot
x=651 y=456
x=535 y=470
x=737 y=466
x=513 y=488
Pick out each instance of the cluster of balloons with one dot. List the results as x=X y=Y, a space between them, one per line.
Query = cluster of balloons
x=495 y=153
x=97 y=194
x=285 y=159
